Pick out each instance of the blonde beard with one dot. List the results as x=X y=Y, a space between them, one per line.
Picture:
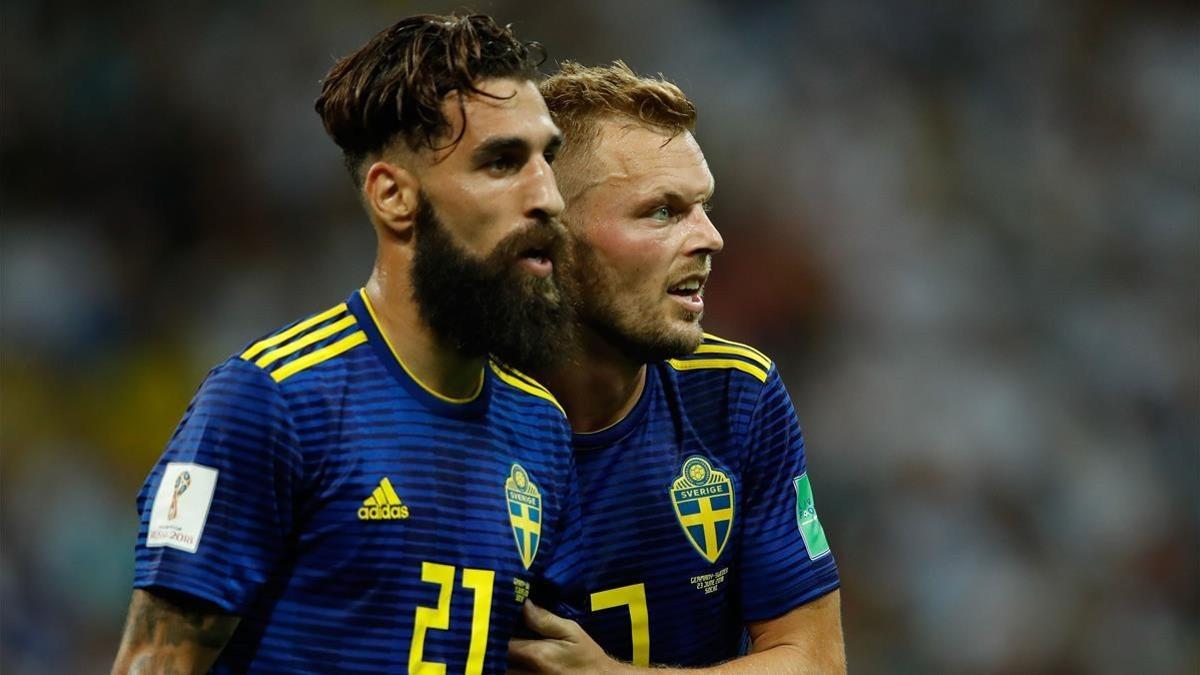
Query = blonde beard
x=635 y=328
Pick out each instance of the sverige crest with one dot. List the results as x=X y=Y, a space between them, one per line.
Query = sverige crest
x=703 y=501
x=524 y=512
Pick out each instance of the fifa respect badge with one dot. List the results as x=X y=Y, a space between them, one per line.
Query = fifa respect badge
x=806 y=519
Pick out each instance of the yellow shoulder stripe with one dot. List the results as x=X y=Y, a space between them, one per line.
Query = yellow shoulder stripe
x=730 y=350
x=700 y=364
x=319 y=356
x=517 y=382
x=523 y=377
x=742 y=345
x=302 y=342
x=362 y=293
x=262 y=345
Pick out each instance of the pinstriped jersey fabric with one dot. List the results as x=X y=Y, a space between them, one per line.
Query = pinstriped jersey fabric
x=690 y=512
x=358 y=522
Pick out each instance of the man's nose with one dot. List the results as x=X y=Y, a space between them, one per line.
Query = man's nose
x=544 y=199
x=705 y=238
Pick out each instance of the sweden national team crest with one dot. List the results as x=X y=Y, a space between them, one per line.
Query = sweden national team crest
x=703 y=501
x=524 y=512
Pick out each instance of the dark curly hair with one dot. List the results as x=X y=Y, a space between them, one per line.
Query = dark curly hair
x=396 y=83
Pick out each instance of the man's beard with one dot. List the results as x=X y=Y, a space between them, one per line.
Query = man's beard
x=490 y=305
x=630 y=323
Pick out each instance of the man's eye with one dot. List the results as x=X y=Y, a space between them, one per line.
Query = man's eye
x=662 y=213
x=502 y=164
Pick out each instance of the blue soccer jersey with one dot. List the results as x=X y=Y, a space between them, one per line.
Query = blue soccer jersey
x=697 y=515
x=353 y=519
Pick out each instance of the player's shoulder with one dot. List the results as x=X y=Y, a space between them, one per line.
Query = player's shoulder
x=716 y=356
x=317 y=340
x=524 y=388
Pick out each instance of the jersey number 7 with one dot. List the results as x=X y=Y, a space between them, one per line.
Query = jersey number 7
x=634 y=597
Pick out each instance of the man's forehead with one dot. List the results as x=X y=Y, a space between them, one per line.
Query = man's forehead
x=507 y=108
x=634 y=157
x=502 y=100
x=497 y=92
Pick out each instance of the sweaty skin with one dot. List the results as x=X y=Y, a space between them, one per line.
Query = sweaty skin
x=493 y=182
x=639 y=224
x=637 y=211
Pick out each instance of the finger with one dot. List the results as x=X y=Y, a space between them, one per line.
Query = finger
x=527 y=655
x=521 y=651
x=546 y=623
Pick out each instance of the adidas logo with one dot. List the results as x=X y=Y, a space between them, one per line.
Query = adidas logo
x=383 y=504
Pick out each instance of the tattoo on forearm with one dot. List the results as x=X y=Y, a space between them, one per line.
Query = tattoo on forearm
x=149 y=664
x=164 y=637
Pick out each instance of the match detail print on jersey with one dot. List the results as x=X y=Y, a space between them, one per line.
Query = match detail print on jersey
x=806 y=519
x=703 y=501
x=524 y=512
x=181 y=506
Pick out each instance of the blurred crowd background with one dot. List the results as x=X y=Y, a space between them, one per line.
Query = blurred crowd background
x=969 y=234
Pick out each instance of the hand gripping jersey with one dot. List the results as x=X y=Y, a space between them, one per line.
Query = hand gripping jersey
x=697 y=516
x=356 y=521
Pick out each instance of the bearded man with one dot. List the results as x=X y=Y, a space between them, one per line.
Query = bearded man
x=363 y=490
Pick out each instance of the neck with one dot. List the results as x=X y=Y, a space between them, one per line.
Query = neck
x=437 y=366
x=599 y=387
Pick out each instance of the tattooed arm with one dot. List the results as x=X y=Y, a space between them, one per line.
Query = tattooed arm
x=167 y=636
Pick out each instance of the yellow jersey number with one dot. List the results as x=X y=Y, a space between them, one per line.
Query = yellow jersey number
x=438 y=618
x=633 y=597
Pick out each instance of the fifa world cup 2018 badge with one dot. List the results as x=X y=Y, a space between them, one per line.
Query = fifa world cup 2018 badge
x=182 y=483
x=524 y=512
x=703 y=501
x=180 y=506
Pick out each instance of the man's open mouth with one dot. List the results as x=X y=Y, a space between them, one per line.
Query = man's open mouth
x=689 y=286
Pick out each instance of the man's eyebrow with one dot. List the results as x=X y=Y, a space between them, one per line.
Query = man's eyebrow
x=499 y=146
x=502 y=145
x=657 y=196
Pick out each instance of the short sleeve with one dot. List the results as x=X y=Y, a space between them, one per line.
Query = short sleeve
x=786 y=560
x=216 y=510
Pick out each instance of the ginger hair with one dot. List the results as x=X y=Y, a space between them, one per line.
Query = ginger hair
x=580 y=98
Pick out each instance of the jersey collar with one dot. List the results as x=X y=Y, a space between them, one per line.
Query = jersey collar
x=610 y=435
x=472 y=406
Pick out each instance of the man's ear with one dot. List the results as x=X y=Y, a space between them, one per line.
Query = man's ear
x=392 y=194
